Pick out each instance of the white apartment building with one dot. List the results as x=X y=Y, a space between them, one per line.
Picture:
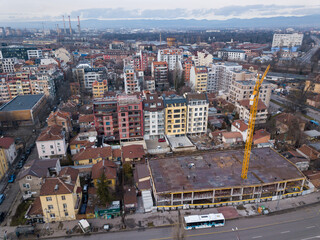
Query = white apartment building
x=34 y=54
x=172 y=56
x=8 y=64
x=154 y=117
x=232 y=54
x=287 y=40
x=243 y=108
x=90 y=78
x=197 y=113
x=202 y=59
x=220 y=76
x=240 y=90
x=131 y=81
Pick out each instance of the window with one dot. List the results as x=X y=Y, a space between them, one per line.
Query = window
x=28 y=177
x=26 y=185
x=51 y=146
x=50 y=207
x=63 y=197
x=59 y=149
x=65 y=205
x=52 y=152
x=90 y=160
x=66 y=214
x=63 y=123
x=49 y=199
x=52 y=215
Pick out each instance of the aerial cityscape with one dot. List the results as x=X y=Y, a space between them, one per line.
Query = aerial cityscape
x=160 y=120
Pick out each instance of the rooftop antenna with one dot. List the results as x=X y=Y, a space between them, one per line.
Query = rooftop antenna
x=64 y=25
x=70 y=26
x=79 y=29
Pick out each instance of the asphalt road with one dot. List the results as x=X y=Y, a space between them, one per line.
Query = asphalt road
x=302 y=224
x=307 y=57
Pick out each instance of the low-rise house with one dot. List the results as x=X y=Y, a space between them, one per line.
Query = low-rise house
x=261 y=136
x=130 y=199
x=62 y=119
x=92 y=155
x=9 y=148
x=241 y=127
x=33 y=174
x=132 y=153
x=297 y=159
x=52 y=142
x=3 y=163
x=243 y=108
x=109 y=169
x=232 y=137
x=86 y=121
x=61 y=196
x=35 y=214
x=142 y=177
x=284 y=120
x=83 y=140
x=308 y=152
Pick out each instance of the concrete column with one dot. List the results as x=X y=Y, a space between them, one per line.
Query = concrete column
x=181 y=198
x=171 y=199
x=192 y=195
x=213 y=194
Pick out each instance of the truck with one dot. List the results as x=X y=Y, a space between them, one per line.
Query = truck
x=84 y=225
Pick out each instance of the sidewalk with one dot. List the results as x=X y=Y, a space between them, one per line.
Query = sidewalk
x=167 y=218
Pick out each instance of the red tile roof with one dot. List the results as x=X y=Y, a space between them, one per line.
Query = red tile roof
x=241 y=125
x=231 y=135
x=246 y=103
x=109 y=168
x=286 y=118
x=93 y=153
x=5 y=142
x=69 y=171
x=56 y=186
x=51 y=133
x=116 y=153
x=133 y=151
x=260 y=134
x=309 y=151
x=36 y=208
x=59 y=113
x=86 y=118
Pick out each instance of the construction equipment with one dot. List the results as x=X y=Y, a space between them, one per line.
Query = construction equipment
x=252 y=119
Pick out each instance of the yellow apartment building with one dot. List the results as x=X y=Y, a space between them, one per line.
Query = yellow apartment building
x=90 y=156
x=61 y=196
x=175 y=115
x=99 y=88
x=199 y=78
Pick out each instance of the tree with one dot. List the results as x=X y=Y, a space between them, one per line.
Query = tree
x=128 y=174
x=103 y=190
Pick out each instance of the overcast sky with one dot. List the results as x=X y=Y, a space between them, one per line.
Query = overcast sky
x=25 y=10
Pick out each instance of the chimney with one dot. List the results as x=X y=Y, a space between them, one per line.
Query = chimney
x=70 y=26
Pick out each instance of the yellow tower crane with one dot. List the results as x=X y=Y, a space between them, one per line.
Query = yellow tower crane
x=253 y=113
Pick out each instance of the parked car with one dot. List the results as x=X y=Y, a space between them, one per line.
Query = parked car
x=28 y=151
x=85 y=188
x=161 y=140
x=106 y=227
x=2 y=216
x=23 y=157
x=20 y=164
x=11 y=178
x=2 y=197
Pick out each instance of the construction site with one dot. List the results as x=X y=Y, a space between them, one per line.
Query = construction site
x=214 y=178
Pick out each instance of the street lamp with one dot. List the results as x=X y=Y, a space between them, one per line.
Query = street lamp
x=236 y=232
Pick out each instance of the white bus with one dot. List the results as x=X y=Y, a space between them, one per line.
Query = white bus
x=204 y=221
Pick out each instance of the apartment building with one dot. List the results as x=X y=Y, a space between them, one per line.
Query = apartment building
x=287 y=40
x=240 y=90
x=219 y=76
x=86 y=75
x=232 y=54
x=106 y=117
x=197 y=118
x=131 y=82
x=172 y=56
x=62 y=119
x=34 y=53
x=61 y=196
x=51 y=142
x=130 y=117
x=175 y=115
x=153 y=112
x=199 y=78
x=159 y=71
x=99 y=88
x=8 y=64
x=43 y=84
x=149 y=84
x=19 y=87
x=243 y=108
x=186 y=65
x=202 y=58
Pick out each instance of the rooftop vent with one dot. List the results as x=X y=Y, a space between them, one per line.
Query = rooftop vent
x=56 y=187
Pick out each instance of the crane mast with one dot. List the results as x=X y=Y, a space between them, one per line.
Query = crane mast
x=252 y=119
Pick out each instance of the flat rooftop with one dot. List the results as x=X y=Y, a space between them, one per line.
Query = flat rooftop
x=212 y=170
x=21 y=102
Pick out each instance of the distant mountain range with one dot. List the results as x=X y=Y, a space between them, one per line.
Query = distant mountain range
x=310 y=21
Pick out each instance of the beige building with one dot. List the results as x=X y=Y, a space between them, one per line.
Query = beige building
x=199 y=78
x=243 y=108
x=240 y=90
x=202 y=59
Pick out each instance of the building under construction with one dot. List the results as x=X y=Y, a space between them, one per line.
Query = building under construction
x=214 y=178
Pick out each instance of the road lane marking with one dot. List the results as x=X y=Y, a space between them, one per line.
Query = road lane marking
x=311 y=238
x=311 y=227
x=285 y=232
x=243 y=229
x=257 y=237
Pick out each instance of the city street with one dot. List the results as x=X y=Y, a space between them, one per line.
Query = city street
x=307 y=57
x=302 y=224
